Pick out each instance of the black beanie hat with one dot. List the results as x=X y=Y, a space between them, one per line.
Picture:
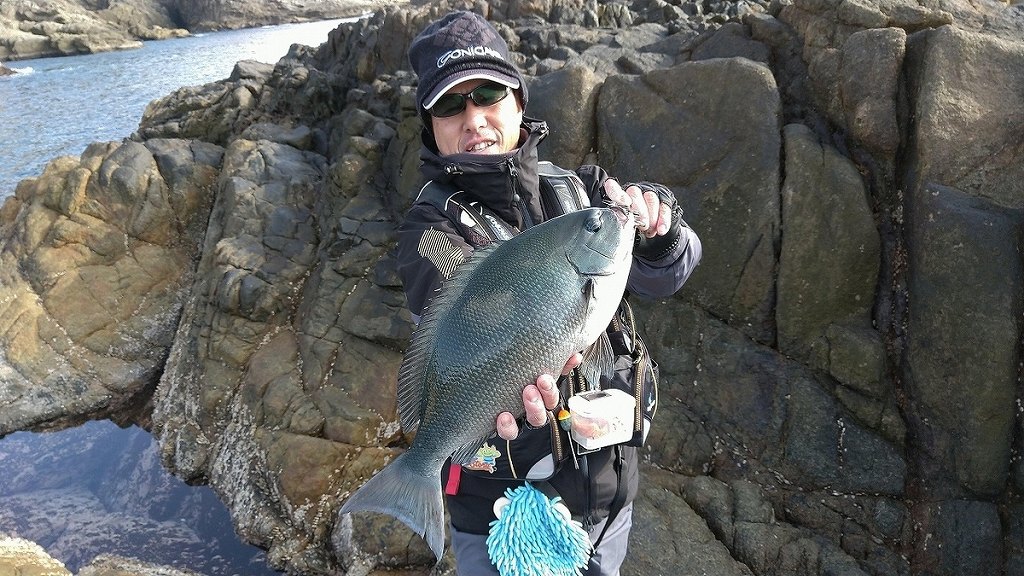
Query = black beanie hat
x=460 y=46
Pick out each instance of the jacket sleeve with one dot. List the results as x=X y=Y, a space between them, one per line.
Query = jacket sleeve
x=661 y=265
x=429 y=251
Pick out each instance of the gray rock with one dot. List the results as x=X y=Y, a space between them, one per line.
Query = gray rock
x=300 y=137
x=668 y=532
x=869 y=80
x=971 y=96
x=963 y=212
x=735 y=280
x=828 y=266
x=729 y=41
x=972 y=530
x=857 y=358
x=573 y=133
x=959 y=245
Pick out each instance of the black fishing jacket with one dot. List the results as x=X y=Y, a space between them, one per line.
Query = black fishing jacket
x=509 y=188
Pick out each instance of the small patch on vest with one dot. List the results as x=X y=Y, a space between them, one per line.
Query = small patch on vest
x=485 y=459
x=439 y=249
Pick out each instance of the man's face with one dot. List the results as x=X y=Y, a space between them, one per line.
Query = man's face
x=479 y=129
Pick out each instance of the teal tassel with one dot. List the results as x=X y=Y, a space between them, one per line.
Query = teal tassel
x=531 y=537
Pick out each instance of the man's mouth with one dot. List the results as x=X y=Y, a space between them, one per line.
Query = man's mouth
x=480 y=146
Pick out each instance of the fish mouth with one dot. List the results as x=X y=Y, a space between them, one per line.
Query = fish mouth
x=623 y=215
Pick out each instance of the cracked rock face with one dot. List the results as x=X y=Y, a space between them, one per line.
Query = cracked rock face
x=838 y=377
x=96 y=267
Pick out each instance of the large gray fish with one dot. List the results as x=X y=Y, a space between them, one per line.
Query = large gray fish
x=511 y=313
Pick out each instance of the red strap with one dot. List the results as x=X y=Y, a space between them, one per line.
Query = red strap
x=451 y=488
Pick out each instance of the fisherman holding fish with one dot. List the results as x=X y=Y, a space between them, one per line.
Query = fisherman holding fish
x=485 y=187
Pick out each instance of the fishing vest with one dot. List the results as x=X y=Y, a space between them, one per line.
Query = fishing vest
x=562 y=191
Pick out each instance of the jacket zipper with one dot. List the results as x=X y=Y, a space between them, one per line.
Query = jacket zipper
x=513 y=175
x=556 y=435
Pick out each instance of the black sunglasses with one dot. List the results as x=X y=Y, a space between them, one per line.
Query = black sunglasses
x=486 y=94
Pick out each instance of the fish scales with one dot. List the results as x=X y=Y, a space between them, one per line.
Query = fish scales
x=505 y=291
x=508 y=315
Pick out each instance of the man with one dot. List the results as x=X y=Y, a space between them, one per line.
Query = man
x=479 y=157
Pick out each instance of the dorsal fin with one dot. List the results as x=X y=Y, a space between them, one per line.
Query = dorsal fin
x=412 y=376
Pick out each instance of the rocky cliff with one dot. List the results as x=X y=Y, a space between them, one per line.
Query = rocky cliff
x=34 y=29
x=840 y=378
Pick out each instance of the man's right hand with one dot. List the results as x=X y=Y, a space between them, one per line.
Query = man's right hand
x=537 y=400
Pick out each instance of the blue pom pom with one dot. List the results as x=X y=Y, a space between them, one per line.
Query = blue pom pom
x=532 y=537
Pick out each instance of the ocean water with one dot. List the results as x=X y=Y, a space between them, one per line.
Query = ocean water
x=57 y=106
x=100 y=489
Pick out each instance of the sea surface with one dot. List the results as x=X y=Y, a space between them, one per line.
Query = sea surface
x=57 y=106
x=99 y=488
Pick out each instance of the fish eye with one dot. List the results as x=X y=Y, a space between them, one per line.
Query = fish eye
x=593 y=223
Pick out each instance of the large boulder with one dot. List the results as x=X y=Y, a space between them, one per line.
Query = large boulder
x=828 y=266
x=664 y=126
x=965 y=200
x=96 y=267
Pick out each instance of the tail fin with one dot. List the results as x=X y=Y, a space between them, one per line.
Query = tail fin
x=413 y=498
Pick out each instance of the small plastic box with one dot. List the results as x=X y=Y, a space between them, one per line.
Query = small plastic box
x=601 y=418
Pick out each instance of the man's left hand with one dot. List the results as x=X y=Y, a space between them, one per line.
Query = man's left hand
x=653 y=217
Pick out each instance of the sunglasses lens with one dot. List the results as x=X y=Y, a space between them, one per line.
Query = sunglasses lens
x=448 y=105
x=487 y=94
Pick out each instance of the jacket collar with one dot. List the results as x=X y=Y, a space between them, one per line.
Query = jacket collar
x=498 y=182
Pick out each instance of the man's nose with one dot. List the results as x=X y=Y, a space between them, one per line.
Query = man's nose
x=475 y=116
